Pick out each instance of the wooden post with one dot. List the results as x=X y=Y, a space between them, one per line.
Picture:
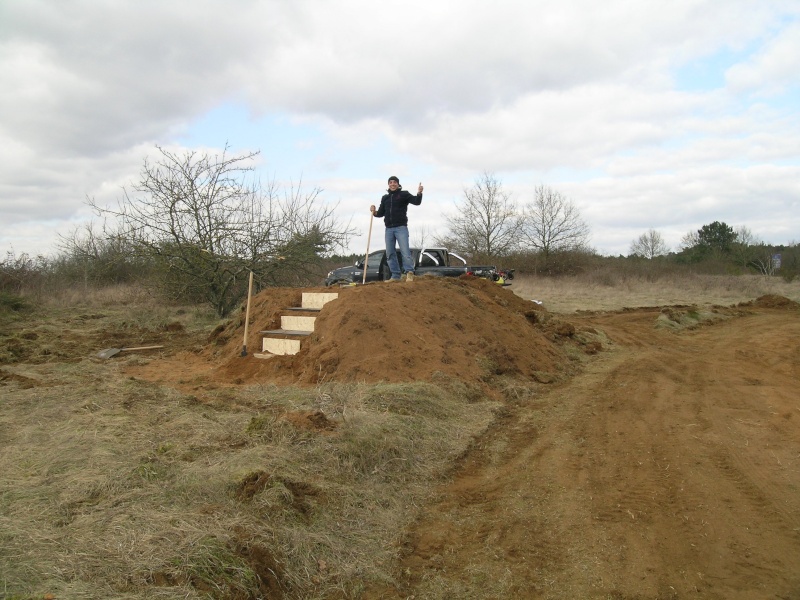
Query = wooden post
x=247 y=315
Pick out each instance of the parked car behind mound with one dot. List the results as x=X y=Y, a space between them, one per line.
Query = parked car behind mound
x=437 y=262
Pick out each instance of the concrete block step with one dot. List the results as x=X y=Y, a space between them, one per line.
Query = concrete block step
x=297 y=323
x=286 y=340
x=280 y=346
x=317 y=299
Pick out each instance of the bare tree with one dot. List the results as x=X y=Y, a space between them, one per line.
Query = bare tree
x=487 y=223
x=206 y=224
x=690 y=240
x=552 y=222
x=763 y=259
x=420 y=235
x=746 y=249
x=649 y=245
x=744 y=235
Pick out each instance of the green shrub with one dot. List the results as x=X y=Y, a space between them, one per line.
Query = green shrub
x=12 y=302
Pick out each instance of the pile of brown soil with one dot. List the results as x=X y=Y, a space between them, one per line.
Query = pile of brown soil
x=468 y=328
x=773 y=301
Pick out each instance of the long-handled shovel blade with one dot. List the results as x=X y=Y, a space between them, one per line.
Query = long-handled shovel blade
x=109 y=352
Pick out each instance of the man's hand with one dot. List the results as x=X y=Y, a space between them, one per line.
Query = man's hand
x=372 y=209
x=419 y=189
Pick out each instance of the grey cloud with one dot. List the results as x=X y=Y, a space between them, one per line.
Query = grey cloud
x=101 y=76
x=421 y=62
x=90 y=85
x=131 y=71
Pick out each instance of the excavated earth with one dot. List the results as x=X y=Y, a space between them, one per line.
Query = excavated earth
x=388 y=332
x=661 y=459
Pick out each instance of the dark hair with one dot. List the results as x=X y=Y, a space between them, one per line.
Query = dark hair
x=395 y=178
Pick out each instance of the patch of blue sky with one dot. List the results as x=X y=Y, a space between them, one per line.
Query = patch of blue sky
x=708 y=72
x=680 y=142
x=232 y=124
x=290 y=148
x=784 y=99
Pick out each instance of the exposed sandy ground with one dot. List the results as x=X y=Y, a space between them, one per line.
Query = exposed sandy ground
x=670 y=468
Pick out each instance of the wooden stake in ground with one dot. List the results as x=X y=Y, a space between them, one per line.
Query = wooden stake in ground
x=247 y=315
x=366 y=258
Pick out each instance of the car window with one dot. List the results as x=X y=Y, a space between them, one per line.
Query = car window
x=426 y=260
x=374 y=260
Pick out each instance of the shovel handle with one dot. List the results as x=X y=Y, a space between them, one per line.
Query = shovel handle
x=366 y=257
x=140 y=348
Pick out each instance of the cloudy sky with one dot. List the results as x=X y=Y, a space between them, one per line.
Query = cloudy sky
x=666 y=115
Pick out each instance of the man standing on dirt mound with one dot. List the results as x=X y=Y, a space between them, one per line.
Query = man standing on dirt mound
x=393 y=209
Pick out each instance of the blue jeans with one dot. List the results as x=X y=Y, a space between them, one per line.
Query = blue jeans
x=399 y=234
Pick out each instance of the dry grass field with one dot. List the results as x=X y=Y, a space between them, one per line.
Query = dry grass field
x=613 y=292
x=657 y=456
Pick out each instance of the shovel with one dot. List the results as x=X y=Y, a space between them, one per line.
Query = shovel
x=109 y=352
x=247 y=314
x=366 y=257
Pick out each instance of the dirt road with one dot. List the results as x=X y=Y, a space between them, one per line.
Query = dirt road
x=669 y=469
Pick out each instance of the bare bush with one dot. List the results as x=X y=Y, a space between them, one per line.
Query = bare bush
x=22 y=272
x=204 y=225
x=562 y=262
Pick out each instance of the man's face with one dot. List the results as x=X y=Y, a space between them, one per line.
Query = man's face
x=393 y=185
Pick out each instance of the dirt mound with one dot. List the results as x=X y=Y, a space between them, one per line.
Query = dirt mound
x=468 y=328
x=773 y=301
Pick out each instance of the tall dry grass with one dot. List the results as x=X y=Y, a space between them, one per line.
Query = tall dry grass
x=610 y=290
x=73 y=295
x=114 y=487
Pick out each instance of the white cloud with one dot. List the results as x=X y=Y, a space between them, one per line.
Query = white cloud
x=531 y=90
x=579 y=128
x=774 y=67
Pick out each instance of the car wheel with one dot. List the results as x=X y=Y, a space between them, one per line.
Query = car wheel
x=386 y=272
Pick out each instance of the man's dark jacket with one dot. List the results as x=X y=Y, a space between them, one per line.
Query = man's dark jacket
x=394 y=206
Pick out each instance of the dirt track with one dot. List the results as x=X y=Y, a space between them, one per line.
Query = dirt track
x=669 y=469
